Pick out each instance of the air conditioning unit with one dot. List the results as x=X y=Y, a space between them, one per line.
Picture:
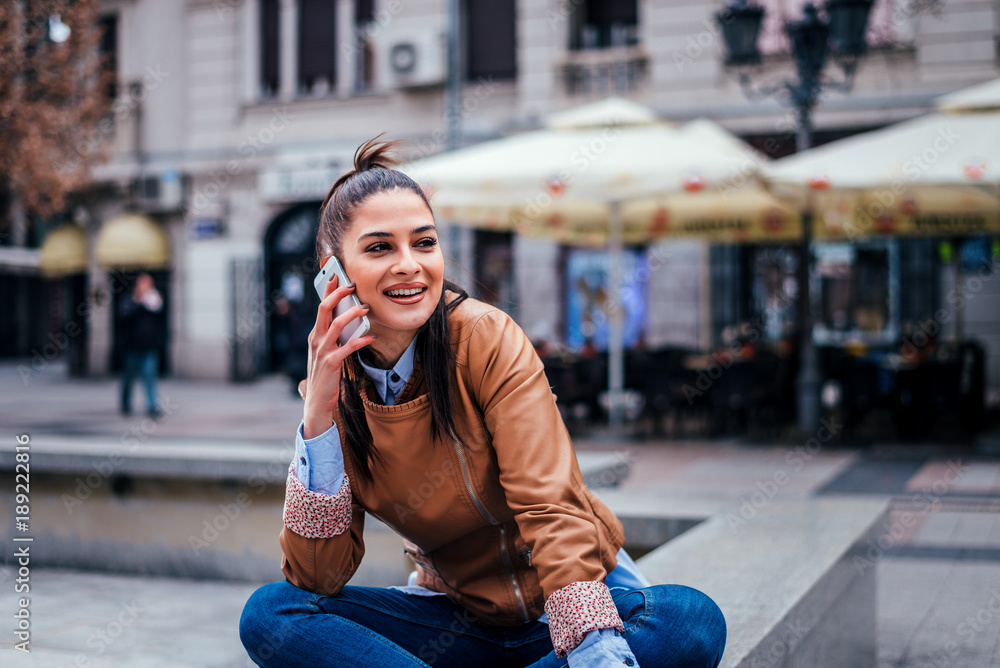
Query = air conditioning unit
x=161 y=192
x=415 y=61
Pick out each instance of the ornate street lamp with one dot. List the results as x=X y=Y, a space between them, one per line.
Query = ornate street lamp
x=740 y=23
x=814 y=38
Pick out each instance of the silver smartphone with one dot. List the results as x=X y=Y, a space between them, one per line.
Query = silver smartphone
x=355 y=328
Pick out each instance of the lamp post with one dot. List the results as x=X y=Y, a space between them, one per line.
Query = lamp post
x=814 y=38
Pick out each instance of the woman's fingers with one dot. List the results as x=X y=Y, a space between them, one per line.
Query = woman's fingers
x=357 y=344
x=342 y=320
x=334 y=295
x=324 y=314
x=324 y=340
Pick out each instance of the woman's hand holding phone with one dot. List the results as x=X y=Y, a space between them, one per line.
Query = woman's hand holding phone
x=326 y=357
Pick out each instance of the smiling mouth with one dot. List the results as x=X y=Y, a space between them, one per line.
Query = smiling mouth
x=405 y=292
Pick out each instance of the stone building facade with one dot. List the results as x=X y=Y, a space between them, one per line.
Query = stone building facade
x=236 y=115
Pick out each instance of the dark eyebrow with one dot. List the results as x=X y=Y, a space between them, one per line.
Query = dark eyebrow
x=419 y=230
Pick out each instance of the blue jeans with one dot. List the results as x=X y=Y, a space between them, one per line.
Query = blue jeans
x=145 y=363
x=282 y=625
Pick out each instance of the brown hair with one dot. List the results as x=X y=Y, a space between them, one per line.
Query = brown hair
x=373 y=173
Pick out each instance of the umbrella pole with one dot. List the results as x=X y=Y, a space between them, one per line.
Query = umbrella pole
x=616 y=333
x=808 y=381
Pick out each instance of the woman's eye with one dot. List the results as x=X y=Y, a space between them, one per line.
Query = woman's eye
x=378 y=248
x=429 y=242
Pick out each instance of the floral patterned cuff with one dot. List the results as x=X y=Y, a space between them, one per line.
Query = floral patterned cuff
x=315 y=515
x=577 y=609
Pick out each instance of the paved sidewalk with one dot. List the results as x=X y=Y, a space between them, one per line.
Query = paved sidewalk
x=96 y=620
x=51 y=406
x=938 y=583
x=938 y=590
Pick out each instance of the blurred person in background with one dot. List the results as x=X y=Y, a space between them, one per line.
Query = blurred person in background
x=142 y=334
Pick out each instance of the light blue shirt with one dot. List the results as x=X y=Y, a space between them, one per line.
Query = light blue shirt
x=319 y=466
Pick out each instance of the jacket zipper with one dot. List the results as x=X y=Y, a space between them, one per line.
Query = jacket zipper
x=503 y=532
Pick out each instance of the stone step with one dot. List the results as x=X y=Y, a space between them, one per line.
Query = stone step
x=198 y=509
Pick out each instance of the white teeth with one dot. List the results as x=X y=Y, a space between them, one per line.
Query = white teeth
x=407 y=292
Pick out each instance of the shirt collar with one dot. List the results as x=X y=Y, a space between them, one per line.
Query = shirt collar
x=390 y=382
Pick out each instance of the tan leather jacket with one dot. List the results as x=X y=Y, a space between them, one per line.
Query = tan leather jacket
x=498 y=524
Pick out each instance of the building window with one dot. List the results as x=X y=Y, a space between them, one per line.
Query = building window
x=364 y=61
x=604 y=56
x=602 y=24
x=490 y=41
x=109 y=51
x=269 y=73
x=495 y=269
x=775 y=290
x=588 y=286
x=317 y=47
x=856 y=288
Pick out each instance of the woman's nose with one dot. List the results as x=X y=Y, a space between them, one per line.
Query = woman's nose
x=406 y=263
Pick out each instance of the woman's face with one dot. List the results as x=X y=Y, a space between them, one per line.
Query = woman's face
x=390 y=250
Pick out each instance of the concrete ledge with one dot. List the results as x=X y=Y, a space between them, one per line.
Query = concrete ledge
x=795 y=582
x=215 y=460
x=188 y=509
x=206 y=460
x=652 y=519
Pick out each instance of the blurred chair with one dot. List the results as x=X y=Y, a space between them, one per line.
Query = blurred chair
x=861 y=393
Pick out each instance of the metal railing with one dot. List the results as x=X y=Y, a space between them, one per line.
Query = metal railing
x=601 y=72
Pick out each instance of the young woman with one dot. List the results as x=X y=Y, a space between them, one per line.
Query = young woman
x=441 y=424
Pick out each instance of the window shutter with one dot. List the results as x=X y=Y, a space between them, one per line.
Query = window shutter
x=269 y=47
x=317 y=43
x=491 y=46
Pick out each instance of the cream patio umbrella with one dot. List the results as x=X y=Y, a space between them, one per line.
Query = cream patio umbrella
x=600 y=174
x=935 y=175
